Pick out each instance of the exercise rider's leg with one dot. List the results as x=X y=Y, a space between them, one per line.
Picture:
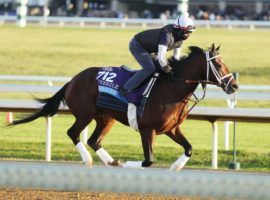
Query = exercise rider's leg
x=145 y=60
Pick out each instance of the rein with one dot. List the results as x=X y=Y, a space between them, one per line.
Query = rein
x=219 y=78
x=195 y=102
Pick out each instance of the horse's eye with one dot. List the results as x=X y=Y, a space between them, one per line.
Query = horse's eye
x=218 y=64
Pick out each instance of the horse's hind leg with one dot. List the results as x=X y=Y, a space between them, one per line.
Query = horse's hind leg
x=74 y=133
x=103 y=125
x=177 y=136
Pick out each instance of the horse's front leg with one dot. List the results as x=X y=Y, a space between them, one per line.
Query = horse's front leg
x=177 y=136
x=147 y=138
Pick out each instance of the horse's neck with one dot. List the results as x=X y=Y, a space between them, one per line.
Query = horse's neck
x=193 y=71
x=184 y=91
x=177 y=90
x=171 y=92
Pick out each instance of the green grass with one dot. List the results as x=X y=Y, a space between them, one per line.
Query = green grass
x=67 y=51
x=28 y=142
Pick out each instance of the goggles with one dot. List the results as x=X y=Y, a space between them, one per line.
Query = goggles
x=188 y=29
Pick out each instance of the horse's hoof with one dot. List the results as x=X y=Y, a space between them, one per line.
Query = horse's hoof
x=89 y=164
x=176 y=168
x=115 y=163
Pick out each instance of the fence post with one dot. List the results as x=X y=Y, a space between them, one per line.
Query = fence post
x=234 y=165
x=214 y=145
x=226 y=134
x=48 y=138
x=21 y=12
x=48 y=133
x=46 y=13
x=230 y=104
x=102 y=25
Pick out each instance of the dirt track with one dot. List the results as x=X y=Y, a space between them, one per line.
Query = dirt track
x=20 y=194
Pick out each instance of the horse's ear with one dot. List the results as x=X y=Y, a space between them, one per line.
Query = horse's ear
x=212 y=48
x=218 y=47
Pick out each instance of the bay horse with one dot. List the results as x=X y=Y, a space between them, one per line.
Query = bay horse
x=165 y=110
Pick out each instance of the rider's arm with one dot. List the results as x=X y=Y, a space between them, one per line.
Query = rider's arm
x=162 y=47
x=177 y=52
x=162 y=55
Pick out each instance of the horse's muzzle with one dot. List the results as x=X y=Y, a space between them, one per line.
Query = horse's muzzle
x=230 y=88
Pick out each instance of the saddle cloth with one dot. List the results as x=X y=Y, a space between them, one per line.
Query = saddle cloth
x=110 y=79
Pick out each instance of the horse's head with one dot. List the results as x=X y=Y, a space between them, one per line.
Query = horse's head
x=206 y=67
x=217 y=71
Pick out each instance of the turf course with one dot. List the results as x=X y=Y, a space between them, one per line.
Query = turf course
x=67 y=51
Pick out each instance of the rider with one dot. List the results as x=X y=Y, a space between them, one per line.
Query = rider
x=157 y=41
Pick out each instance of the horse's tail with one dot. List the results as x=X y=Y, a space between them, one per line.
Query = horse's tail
x=49 y=109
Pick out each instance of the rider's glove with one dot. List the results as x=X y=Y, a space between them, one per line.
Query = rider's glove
x=167 y=68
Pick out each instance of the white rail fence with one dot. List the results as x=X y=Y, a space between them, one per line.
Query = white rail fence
x=132 y=22
x=211 y=114
x=246 y=92
x=199 y=113
x=204 y=184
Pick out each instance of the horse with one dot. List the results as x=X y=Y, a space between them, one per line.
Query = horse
x=165 y=109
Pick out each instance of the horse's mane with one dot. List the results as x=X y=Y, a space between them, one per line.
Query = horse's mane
x=193 y=51
x=176 y=64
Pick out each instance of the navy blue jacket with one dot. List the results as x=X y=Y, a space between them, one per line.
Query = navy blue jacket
x=167 y=36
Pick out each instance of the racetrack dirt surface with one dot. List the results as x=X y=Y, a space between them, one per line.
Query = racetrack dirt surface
x=27 y=194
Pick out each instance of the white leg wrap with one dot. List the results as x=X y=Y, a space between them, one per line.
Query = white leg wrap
x=86 y=157
x=104 y=156
x=133 y=164
x=179 y=163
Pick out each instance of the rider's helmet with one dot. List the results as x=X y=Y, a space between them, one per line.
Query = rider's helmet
x=184 y=24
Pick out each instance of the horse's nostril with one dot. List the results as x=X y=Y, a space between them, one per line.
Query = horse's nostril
x=235 y=86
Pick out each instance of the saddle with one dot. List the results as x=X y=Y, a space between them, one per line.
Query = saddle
x=110 y=79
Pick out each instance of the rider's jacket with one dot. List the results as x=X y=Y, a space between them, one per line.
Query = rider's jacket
x=167 y=36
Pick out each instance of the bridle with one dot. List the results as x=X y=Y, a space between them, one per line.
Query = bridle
x=210 y=68
x=220 y=79
x=220 y=82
